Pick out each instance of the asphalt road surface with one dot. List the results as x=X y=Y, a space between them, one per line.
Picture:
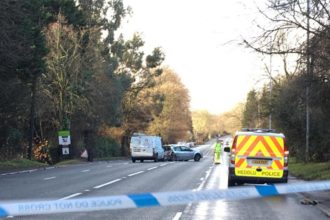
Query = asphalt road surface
x=124 y=177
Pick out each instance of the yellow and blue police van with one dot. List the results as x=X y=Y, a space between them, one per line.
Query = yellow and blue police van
x=258 y=156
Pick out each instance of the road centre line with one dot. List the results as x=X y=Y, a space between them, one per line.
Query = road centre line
x=163 y=164
x=70 y=196
x=49 y=178
x=152 y=168
x=83 y=171
x=208 y=172
x=177 y=216
x=105 y=184
x=133 y=174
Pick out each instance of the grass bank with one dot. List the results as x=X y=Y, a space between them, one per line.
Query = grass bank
x=310 y=171
x=19 y=164
x=25 y=164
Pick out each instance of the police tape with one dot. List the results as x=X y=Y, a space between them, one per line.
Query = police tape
x=20 y=208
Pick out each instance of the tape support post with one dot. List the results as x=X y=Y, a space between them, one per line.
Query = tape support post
x=21 y=208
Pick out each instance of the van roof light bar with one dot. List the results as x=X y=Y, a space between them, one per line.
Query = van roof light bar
x=261 y=130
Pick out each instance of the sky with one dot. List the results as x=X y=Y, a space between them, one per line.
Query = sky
x=201 y=41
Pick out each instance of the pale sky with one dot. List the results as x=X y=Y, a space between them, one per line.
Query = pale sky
x=200 y=40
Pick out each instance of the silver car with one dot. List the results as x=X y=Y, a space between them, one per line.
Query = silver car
x=180 y=152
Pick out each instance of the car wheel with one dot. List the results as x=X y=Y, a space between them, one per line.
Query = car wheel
x=141 y=161
x=156 y=158
x=197 y=157
x=133 y=160
x=173 y=157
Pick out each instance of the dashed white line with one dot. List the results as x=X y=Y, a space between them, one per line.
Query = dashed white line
x=163 y=164
x=152 y=168
x=84 y=171
x=177 y=216
x=200 y=187
x=109 y=166
x=49 y=178
x=133 y=174
x=105 y=184
x=70 y=196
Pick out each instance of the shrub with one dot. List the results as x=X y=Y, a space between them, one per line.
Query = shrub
x=106 y=147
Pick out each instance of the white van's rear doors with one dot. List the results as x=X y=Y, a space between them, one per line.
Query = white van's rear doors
x=141 y=146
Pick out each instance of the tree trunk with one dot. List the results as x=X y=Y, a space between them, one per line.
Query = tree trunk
x=32 y=114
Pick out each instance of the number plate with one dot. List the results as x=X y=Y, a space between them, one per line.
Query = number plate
x=260 y=162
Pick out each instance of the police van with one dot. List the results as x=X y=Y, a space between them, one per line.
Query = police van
x=144 y=147
x=258 y=156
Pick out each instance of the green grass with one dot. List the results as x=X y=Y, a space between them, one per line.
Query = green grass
x=310 y=171
x=111 y=158
x=19 y=164
x=68 y=162
x=24 y=164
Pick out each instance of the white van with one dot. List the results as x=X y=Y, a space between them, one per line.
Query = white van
x=145 y=147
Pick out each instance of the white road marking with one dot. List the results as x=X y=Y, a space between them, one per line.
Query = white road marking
x=152 y=168
x=109 y=166
x=205 y=178
x=163 y=164
x=49 y=178
x=177 y=216
x=70 y=196
x=83 y=171
x=105 y=184
x=86 y=190
x=133 y=174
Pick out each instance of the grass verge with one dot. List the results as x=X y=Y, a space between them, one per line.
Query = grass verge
x=25 y=164
x=19 y=164
x=310 y=171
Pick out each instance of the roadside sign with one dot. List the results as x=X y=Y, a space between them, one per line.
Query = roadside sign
x=65 y=151
x=64 y=138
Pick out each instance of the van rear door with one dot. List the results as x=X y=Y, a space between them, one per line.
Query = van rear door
x=260 y=156
x=141 y=146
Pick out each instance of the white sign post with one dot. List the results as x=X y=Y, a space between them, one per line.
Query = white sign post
x=64 y=140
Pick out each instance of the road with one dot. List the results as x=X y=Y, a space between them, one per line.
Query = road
x=124 y=177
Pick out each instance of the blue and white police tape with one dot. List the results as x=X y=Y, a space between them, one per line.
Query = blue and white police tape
x=20 y=208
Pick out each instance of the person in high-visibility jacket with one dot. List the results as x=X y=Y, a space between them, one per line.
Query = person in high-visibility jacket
x=217 y=151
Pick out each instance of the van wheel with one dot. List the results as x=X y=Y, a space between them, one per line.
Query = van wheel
x=133 y=160
x=141 y=161
x=156 y=158
x=231 y=182
x=197 y=157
